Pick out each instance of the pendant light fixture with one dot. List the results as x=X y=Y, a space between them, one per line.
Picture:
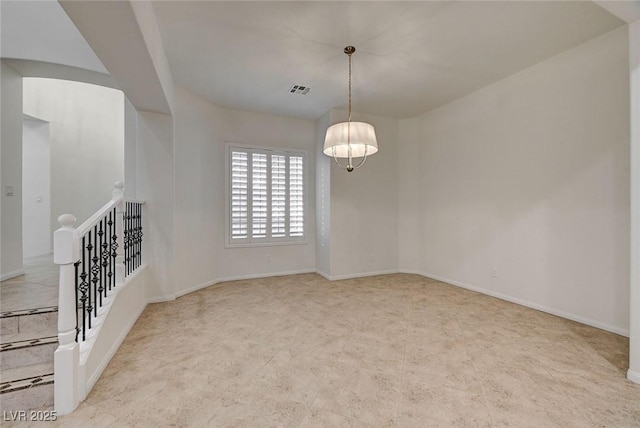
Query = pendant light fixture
x=350 y=140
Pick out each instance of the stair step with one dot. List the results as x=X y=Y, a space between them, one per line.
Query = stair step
x=26 y=394
x=27 y=352
x=34 y=311
x=27 y=336
x=37 y=320
x=24 y=372
x=27 y=387
x=26 y=383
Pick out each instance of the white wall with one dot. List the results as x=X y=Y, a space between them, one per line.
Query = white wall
x=323 y=199
x=155 y=185
x=634 y=295
x=130 y=148
x=11 y=174
x=530 y=177
x=364 y=206
x=201 y=133
x=36 y=188
x=87 y=142
x=199 y=195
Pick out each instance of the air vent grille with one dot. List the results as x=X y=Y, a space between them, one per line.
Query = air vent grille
x=299 y=89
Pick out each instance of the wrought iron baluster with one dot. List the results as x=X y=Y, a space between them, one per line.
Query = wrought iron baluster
x=125 y=228
x=114 y=244
x=76 y=266
x=110 y=250
x=95 y=272
x=89 y=247
x=131 y=242
x=83 y=287
x=134 y=226
x=99 y=254
x=132 y=239
x=139 y=235
x=133 y=233
x=129 y=237
x=104 y=255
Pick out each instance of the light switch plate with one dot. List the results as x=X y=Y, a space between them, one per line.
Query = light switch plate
x=8 y=190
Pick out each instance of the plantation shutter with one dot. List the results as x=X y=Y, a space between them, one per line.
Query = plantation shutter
x=266 y=196
x=239 y=192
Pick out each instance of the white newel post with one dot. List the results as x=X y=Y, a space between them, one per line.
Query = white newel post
x=118 y=195
x=66 y=251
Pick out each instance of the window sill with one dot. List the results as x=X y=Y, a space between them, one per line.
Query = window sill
x=264 y=244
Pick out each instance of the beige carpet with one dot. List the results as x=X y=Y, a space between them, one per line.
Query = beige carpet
x=393 y=350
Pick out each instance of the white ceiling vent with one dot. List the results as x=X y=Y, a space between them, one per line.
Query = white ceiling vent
x=299 y=89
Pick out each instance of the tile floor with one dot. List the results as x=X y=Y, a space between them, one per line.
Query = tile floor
x=37 y=288
x=394 y=350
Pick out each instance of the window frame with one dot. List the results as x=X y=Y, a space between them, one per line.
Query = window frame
x=269 y=240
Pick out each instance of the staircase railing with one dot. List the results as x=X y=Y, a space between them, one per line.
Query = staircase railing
x=94 y=260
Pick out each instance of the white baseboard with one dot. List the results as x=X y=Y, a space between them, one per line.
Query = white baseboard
x=264 y=275
x=633 y=376
x=522 y=302
x=38 y=256
x=170 y=297
x=162 y=299
x=356 y=275
x=415 y=272
x=10 y=275
x=324 y=275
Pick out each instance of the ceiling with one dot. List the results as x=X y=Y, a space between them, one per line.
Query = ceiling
x=411 y=56
x=42 y=31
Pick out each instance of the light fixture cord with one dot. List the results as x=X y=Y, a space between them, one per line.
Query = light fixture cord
x=350 y=162
x=350 y=87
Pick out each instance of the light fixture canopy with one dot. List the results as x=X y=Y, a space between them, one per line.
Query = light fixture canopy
x=350 y=140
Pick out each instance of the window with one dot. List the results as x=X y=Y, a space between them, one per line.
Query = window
x=266 y=196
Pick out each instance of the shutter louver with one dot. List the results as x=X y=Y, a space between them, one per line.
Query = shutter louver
x=259 y=195
x=239 y=182
x=278 y=196
x=296 y=196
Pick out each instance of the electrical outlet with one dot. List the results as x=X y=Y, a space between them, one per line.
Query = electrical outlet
x=8 y=190
x=494 y=272
x=372 y=258
x=268 y=258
